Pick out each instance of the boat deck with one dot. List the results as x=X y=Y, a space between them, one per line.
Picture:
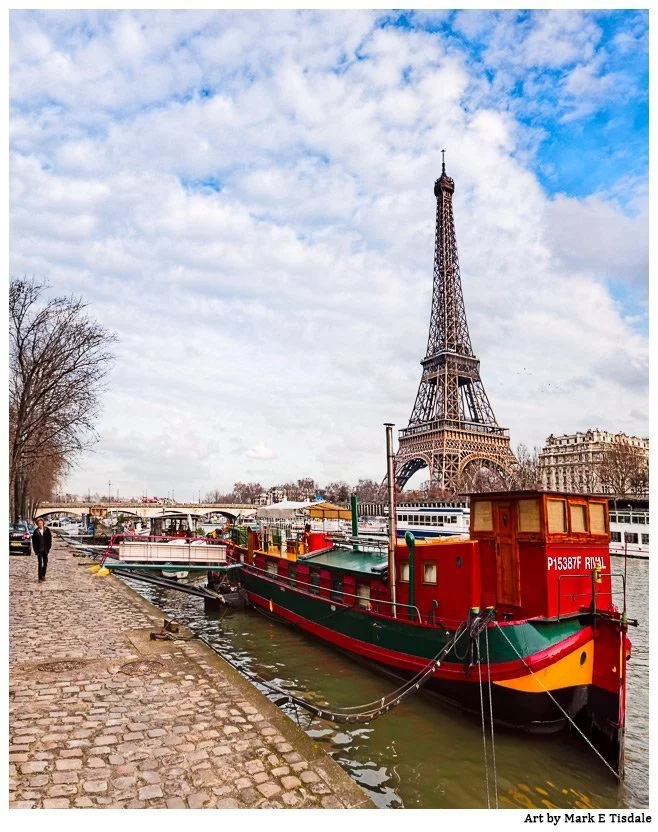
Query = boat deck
x=348 y=559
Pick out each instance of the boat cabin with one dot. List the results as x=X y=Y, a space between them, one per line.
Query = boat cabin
x=529 y=553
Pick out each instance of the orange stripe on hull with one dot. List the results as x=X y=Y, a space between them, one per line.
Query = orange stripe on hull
x=569 y=671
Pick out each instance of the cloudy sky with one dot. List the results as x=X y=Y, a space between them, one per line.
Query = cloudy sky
x=245 y=198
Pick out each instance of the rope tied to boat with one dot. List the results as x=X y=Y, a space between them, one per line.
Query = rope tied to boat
x=557 y=704
x=356 y=713
x=477 y=629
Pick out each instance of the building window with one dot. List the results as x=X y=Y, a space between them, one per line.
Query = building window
x=429 y=573
x=631 y=537
x=404 y=571
x=557 y=516
x=645 y=539
x=615 y=537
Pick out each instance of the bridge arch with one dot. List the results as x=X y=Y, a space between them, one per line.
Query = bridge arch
x=57 y=512
x=488 y=469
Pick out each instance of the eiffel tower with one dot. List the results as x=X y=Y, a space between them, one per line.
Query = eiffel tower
x=452 y=429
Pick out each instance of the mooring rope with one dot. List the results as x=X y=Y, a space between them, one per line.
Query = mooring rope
x=491 y=719
x=569 y=718
x=484 y=730
x=363 y=713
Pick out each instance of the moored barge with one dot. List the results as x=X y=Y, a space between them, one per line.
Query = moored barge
x=521 y=613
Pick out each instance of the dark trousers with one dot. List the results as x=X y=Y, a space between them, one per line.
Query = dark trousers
x=42 y=558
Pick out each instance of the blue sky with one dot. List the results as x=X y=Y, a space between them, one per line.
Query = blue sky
x=246 y=199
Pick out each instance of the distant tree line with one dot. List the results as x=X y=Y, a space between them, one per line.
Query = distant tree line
x=58 y=359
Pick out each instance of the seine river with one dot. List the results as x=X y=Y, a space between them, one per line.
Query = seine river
x=424 y=754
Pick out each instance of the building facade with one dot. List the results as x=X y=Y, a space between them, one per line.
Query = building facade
x=572 y=462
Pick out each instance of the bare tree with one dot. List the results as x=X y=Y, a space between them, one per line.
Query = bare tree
x=368 y=491
x=247 y=492
x=337 y=492
x=527 y=472
x=624 y=469
x=217 y=496
x=58 y=359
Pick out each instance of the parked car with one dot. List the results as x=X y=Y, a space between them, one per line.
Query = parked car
x=19 y=539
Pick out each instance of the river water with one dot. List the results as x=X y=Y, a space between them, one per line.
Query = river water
x=424 y=754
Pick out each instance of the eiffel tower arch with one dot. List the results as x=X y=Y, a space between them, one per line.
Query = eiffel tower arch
x=452 y=430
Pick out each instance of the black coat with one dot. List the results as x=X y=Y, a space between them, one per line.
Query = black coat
x=42 y=543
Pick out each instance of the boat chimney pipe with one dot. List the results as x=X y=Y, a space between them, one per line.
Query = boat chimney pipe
x=355 y=521
x=392 y=531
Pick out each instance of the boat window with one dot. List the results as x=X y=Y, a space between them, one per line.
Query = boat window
x=624 y=518
x=636 y=518
x=529 y=516
x=597 y=518
x=613 y=518
x=363 y=595
x=429 y=573
x=631 y=537
x=578 y=514
x=337 y=588
x=615 y=537
x=645 y=539
x=292 y=572
x=270 y=567
x=482 y=516
x=404 y=571
x=314 y=582
x=557 y=516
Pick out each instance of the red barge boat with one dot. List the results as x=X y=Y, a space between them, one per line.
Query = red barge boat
x=521 y=612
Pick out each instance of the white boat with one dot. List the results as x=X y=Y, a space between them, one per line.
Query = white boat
x=629 y=532
x=174 y=554
x=437 y=520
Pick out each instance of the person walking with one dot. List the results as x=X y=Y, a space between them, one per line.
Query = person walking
x=42 y=540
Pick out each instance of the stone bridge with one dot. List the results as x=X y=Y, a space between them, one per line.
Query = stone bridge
x=145 y=511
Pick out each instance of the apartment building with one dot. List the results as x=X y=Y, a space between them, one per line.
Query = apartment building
x=571 y=462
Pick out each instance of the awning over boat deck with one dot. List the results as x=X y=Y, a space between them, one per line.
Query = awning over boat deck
x=329 y=511
x=285 y=508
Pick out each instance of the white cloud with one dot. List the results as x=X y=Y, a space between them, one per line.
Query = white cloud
x=261 y=451
x=268 y=329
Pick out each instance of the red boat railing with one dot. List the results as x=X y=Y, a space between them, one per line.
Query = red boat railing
x=592 y=593
x=303 y=585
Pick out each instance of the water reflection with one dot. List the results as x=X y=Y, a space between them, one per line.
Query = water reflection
x=423 y=754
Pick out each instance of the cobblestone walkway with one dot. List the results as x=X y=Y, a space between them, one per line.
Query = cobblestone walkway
x=177 y=728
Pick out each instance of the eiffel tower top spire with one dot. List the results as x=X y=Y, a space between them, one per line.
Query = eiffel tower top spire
x=448 y=327
x=445 y=182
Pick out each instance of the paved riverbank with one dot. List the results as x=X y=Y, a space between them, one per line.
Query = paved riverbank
x=103 y=717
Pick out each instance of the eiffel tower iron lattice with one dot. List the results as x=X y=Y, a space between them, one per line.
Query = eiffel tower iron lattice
x=452 y=429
